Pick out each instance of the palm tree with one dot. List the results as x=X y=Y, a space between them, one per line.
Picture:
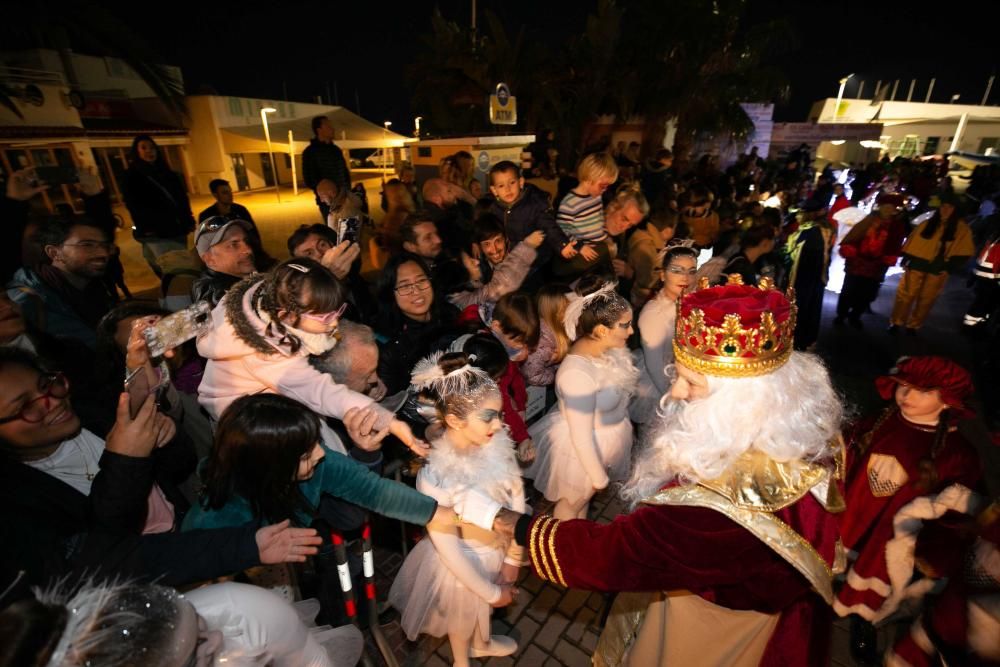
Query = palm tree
x=88 y=28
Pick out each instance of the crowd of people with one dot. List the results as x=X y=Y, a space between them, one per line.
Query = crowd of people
x=665 y=315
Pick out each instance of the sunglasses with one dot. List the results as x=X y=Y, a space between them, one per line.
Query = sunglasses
x=326 y=318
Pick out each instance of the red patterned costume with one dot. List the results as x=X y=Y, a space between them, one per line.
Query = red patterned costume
x=888 y=460
x=738 y=567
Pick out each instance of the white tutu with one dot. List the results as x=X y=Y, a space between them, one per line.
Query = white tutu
x=433 y=601
x=557 y=471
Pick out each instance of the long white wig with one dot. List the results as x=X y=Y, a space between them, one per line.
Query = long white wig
x=792 y=413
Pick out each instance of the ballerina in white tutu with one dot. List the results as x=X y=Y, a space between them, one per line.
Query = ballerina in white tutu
x=450 y=581
x=677 y=267
x=585 y=441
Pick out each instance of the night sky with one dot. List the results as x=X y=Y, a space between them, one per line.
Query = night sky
x=253 y=48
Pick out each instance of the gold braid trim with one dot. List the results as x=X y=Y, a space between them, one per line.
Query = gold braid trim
x=550 y=545
x=538 y=555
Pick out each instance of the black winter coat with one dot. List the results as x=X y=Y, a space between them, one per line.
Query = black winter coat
x=158 y=203
x=532 y=211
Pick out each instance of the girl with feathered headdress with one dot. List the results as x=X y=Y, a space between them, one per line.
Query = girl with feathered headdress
x=450 y=581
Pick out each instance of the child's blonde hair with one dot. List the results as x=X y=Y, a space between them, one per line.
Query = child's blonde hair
x=552 y=301
x=596 y=166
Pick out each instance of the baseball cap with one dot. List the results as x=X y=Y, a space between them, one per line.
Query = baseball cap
x=213 y=230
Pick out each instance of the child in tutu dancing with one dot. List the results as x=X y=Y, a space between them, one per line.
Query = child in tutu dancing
x=449 y=581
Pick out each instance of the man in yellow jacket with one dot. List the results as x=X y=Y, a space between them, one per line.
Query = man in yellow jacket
x=938 y=247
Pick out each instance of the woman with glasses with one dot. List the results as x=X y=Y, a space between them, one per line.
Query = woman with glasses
x=585 y=441
x=262 y=334
x=412 y=321
x=676 y=273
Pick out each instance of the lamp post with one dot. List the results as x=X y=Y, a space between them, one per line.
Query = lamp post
x=416 y=126
x=267 y=137
x=840 y=95
x=385 y=145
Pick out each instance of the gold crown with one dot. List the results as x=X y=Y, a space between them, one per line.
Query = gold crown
x=729 y=348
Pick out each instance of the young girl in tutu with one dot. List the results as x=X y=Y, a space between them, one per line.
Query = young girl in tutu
x=677 y=267
x=449 y=581
x=585 y=441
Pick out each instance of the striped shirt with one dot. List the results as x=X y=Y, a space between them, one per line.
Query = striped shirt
x=582 y=217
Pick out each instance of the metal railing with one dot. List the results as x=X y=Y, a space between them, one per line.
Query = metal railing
x=27 y=75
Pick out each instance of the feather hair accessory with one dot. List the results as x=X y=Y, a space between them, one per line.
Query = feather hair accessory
x=427 y=374
x=574 y=309
x=671 y=244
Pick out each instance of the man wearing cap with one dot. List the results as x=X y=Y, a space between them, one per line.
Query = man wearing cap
x=223 y=247
x=911 y=449
x=732 y=532
x=937 y=248
x=870 y=248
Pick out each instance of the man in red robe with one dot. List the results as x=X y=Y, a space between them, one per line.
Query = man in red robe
x=732 y=533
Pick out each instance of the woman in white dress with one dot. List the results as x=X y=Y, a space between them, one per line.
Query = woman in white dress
x=585 y=441
x=450 y=581
x=677 y=270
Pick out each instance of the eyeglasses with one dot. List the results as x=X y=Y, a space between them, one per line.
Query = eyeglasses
x=411 y=288
x=326 y=318
x=91 y=246
x=51 y=385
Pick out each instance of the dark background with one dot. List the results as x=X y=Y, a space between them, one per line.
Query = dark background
x=253 y=48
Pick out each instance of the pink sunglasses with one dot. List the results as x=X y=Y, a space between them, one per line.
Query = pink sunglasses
x=326 y=318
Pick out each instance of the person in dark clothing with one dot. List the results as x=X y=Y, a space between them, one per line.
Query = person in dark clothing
x=808 y=250
x=224 y=247
x=450 y=208
x=659 y=182
x=225 y=207
x=323 y=160
x=157 y=200
x=66 y=296
x=756 y=242
x=525 y=209
x=412 y=319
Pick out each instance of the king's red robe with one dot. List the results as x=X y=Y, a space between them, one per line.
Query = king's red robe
x=710 y=547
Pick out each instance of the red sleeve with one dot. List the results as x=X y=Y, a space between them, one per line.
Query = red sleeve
x=665 y=548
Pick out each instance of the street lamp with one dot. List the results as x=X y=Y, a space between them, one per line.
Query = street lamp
x=267 y=137
x=954 y=98
x=416 y=125
x=840 y=95
x=385 y=146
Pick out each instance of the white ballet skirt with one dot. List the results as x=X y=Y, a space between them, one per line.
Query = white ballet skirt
x=447 y=582
x=259 y=628
x=656 y=333
x=585 y=441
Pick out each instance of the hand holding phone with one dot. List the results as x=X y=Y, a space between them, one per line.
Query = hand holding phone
x=176 y=329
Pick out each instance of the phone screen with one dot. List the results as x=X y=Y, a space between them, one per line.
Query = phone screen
x=348 y=230
x=138 y=391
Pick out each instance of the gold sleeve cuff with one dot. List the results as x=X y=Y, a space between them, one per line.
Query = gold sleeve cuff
x=541 y=545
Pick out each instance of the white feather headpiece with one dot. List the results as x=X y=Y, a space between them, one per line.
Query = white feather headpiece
x=427 y=374
x=577 y=303
x=673 y=243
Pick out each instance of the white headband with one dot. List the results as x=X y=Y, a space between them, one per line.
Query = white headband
x=576 y=305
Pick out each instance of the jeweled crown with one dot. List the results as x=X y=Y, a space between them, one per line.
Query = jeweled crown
x=735 y=330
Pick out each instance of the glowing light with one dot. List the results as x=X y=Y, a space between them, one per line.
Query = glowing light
x=772 y=202
x=837 y=142
x=871 y=143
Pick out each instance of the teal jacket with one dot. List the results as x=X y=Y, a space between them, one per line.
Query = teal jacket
x=339 y=476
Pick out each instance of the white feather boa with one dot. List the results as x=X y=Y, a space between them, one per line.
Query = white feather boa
x=617 y=369
x=490 y=469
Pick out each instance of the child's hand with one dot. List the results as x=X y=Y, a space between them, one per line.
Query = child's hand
x=535 y=239
x=589 y=253
x=568 y=251
x=401 y=430
x=509 y=573
x=507 y=594
x=526 y=451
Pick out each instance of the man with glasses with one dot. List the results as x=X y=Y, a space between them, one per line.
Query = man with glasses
x=228 y=255
x=65 y=296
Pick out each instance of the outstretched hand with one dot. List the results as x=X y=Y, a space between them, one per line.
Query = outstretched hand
x=360 y=425
x=280 y=543
x=22 y=185
x=402 y=430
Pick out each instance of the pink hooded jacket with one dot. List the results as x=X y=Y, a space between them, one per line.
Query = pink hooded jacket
x=243 y=359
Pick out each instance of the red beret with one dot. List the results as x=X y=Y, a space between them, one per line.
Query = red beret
x=929 y=373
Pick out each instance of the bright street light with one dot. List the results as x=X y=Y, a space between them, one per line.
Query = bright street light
x=385 y=146
x=416 y=125
x=954 y=98
x=267 y=137
x=840 y=95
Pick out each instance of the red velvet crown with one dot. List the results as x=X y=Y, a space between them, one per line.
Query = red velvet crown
x=735 y=330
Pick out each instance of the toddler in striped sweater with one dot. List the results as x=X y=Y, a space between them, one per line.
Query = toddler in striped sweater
x=581 y=212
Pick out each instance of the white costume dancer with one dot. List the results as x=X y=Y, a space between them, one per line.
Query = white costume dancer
x=585 y=441
x=677 y=266
x=449 y=581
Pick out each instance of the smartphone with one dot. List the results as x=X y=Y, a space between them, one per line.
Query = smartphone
x=57 y=175
x=347 y=229
x=138 y=391
x=178 y=328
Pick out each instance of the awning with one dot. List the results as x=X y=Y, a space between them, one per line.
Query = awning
x=352 y=130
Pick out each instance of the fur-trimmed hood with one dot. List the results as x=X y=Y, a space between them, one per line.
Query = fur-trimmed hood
x=237 y=330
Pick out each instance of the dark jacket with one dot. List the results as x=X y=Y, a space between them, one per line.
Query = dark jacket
x=49 y=529
x=532 y=211
x=158 y=203
x=402 y=348
x=236 y=212
x=211 y=286
x=321 y=160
